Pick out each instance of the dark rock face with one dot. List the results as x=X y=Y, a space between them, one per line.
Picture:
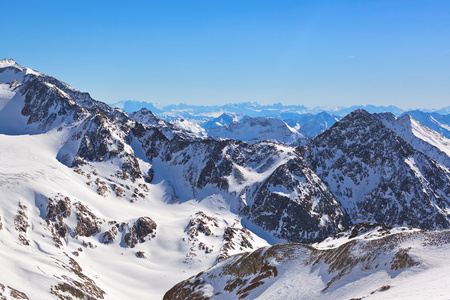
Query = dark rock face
x=97 y=143
x=302 y=208
x=201 y=223
x=100 y=134
x=21 y=223
x=109 y=236
x=143 y=227
x=88 y=224
x=47 y=106
x=378 y=177
x=235 y=239
x=57 y=210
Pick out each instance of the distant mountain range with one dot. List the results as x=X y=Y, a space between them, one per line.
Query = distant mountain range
x=299 y=123
x=254 y=109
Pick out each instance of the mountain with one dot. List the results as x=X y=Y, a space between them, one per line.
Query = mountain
x=169 y=129
x=435 y=121
x=253 y=130
x=251 y=109
x=443 y=111
x=189 y=126
x=101 y=204
x=342 y=111
x=378 y=177
x=419 y=136
x=92 y=198
x=131 y=106
x=222 y=120
x=310 y=125
x=380 y=263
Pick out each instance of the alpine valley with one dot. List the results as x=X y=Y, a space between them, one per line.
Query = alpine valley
x=232 y=202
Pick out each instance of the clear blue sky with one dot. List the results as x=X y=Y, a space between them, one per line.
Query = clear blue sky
x=315 y=53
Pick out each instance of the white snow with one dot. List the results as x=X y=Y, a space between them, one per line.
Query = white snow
x=29 y=172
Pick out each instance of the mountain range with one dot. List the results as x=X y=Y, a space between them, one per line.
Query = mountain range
x=303 y=123
x=98 y=203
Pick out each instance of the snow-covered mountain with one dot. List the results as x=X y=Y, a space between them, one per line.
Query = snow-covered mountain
x=422 y=138
x=85 y=185
x=222 y=120
x=310 y=125
x=251 y=109
x=378 y=177
x=99 y=204
x=437 y=122
x=79 y=216
x=189 y=126
x=253 y=130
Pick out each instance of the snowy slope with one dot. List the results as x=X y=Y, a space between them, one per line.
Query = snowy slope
x=422 y=138
x=438 y=122
x=399 y=264
x=189 y=125
x=30 y=175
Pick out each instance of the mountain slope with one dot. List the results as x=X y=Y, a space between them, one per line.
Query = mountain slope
x=248 y=176
x=437 y=122
x=377 y=177
x=422 y=138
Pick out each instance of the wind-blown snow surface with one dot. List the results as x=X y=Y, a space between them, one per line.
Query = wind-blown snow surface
x=380 y=264
x=30 y=174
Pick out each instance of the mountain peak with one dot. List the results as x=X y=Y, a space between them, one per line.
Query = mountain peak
x=358 y=118
x=8 y=62
x=360 y=112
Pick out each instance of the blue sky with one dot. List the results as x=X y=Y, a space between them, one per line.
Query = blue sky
x=315 y=53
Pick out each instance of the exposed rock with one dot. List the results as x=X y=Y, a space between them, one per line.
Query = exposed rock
x=142 y=228
x=58 y=209
x=109 y=236
x=238 y=276
x=118 y=190
x=88 y=224
x=21 y=224
x=79 y=287
x=237 y=240
x=201 y=223
x=140 y=254
x=103 y=188
x=21 y=219
x=13 y=293
x=300 y=205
